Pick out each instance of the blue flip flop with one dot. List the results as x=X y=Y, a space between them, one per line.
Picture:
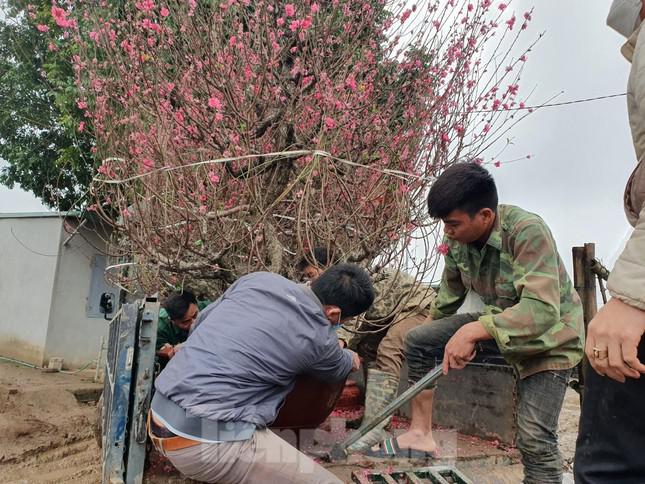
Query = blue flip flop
x=390 y=449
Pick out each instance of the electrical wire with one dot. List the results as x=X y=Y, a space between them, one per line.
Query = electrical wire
x=30 y=249
x=36 y=367
x=19 y=362
x=551 y=105
x=82 y=368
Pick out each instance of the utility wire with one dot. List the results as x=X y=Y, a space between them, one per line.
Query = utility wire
x=30 y=249
x=550 y=105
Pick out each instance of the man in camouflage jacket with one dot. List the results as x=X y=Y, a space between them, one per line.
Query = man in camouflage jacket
x=401 y=303
x=532 y=316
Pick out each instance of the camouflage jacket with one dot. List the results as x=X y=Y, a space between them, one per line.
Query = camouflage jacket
x=397 y=296
x=532 y=310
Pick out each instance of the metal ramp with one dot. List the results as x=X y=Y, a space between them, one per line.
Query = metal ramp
x=127 y=391
x=422 y=475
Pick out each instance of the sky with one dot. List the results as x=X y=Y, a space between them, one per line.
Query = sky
x=581 y=155
x=18 y=200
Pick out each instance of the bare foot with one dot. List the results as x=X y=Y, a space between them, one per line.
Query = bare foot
x=414 y=439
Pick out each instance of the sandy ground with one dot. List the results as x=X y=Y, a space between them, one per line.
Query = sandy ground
x=46 y=434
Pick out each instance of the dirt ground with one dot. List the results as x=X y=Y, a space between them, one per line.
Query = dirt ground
x=46 y=432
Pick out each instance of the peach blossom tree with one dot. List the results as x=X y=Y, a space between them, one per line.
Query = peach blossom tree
x=237 y=135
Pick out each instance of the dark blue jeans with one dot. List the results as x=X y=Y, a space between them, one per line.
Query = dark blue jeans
x=611 y=438
x=540 y=396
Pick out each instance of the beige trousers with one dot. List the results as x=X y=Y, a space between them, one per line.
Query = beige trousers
x=384 y=350
x=264 y=458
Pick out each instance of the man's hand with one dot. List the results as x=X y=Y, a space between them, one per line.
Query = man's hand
x=613 y=337
x=460 y=349
x=167 y=351
x=356 y=361
x=342 y=343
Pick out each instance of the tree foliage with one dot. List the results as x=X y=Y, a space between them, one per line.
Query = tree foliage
x=40 y=139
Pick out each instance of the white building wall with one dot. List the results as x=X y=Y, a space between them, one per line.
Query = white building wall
x=74 y=331
x=28 y=258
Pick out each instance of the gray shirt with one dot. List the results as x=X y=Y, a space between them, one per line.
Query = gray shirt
x=247 y=348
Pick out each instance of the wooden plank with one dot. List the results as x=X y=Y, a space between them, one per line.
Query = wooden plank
x=584 y=281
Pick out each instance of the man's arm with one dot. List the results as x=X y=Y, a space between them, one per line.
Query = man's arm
x=620 y=324
x=345 y=336
x=627 y=279
x=537 y=282
x=163 y=330
x=451 y=293
x=164 y=344
x=460 y=348
x=330 y=362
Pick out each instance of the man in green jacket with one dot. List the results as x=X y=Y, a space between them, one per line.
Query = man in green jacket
x=532 y=316
x=176 y=317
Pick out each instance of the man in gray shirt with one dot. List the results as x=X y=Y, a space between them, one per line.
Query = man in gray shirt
x=216 y=397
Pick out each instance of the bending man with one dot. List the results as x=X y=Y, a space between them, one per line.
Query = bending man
x=217 y=395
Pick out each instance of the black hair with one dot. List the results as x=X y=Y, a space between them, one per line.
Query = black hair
x=321 y=258
x=178 y=303
x=347 y=286
x=464 y=186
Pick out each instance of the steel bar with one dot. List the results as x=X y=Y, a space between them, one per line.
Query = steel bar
x=339 y=451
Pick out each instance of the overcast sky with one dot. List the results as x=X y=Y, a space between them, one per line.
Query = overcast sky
x=581 y=154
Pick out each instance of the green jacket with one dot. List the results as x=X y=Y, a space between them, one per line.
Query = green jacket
x=532 y=310
x=168 y=332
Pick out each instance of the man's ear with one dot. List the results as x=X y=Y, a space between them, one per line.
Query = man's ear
x=333 y=313
x=487 y=214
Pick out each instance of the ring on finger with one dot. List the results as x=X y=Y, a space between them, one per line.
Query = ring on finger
x=600 y=354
